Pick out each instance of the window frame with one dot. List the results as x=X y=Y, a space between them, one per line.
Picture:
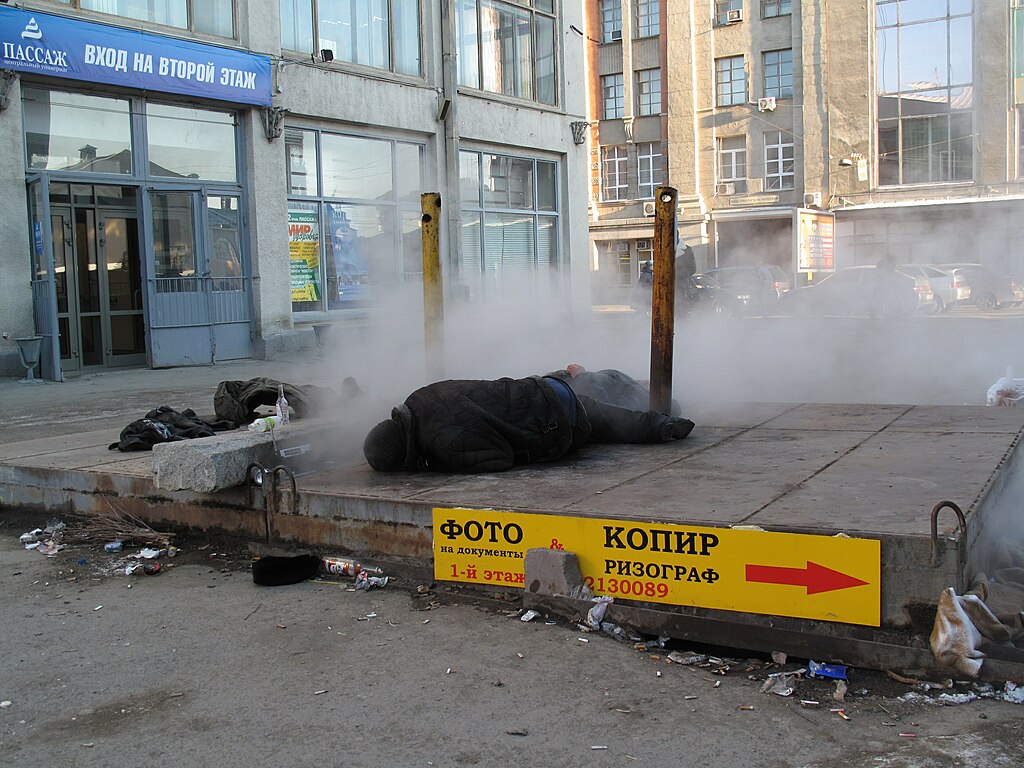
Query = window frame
x=781 y=167
x=776 y=72
x=722 y=9
x=727 y=65
x=906 y=110
x=611 y=21
x=647 y=102
x=614 y=167
x=472 y=72
x=488 y=278
x=317 y=199
x=648 y=18
x=734 y=154
x=613 y=107
x=313 y=31
x=782 y=8
x=647 y=181
x=189 y=13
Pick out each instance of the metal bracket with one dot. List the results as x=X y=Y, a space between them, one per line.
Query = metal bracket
x=961 y=543
x=259 y=476
x=9 y=76
x=579 y=131
x=273 y=121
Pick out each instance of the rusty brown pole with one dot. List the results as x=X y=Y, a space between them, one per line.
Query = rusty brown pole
x=433 y=294
x=663 y=299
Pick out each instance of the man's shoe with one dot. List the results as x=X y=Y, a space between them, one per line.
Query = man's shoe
x=676 y=429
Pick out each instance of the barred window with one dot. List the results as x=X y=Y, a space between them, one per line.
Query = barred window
x=778 y=73
x=648 y=92
x=779 y=162
x=730 y=81
x=614 y=181
x=647 y=18
x=770 y=8
x=648 y=168
x=613 y=96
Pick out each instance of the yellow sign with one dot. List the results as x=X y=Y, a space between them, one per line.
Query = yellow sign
x=780 y=574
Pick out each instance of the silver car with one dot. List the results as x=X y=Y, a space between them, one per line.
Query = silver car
x=939 y=280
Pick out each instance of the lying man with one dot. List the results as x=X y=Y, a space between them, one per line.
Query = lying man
x=491 y=426
x=608 y=386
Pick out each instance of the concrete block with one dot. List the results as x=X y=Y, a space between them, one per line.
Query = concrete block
x=209 y=464
x=552 y=571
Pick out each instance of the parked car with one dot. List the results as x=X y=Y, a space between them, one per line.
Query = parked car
x=861 y=291
x=940 y=280
x=741 y=290
x=980 y=286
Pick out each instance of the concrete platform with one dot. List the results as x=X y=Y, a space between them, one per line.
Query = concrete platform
x=863 y=471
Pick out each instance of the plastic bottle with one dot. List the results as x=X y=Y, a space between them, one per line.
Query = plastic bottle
x=282 y=405
x=343 y=567
x=266 y=424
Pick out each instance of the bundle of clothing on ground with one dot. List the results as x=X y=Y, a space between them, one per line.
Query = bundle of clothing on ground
x=235 y=405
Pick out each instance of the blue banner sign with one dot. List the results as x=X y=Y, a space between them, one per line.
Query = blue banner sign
x=61 y=47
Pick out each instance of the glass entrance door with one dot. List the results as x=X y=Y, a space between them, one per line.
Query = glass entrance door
x=98 y=275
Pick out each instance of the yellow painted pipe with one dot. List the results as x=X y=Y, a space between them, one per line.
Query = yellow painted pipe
x=433 y=293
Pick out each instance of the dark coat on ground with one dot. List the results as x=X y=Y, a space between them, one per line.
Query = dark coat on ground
x=491 y=426
x=488 y=426
x=166 y=425
x=238 y=400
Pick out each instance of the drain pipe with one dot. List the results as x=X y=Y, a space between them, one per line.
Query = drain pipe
x=447 y=114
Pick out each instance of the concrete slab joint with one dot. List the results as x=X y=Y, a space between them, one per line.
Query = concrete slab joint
x=552 y=572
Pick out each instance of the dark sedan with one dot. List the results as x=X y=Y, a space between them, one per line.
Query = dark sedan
x=731 y=291
x=861 y=291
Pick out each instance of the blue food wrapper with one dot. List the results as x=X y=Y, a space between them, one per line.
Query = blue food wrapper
x=832 y=671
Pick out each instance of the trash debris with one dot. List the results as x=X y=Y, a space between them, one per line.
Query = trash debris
x=1007 y=391
x=529 y=615
x=745 y=708
x=598 y=747
x=517 y=732
x=781 y=683
x=4 y=704
x=841 y=713
x=366 y=582
x=839 y=694
x=318 y=693
x=687 y=658
x=344 y=567
x=779 y=657
x=152 y=569
x=265 y=424
x=31 y=536
x=809 y=702
x=832 y=671
x=614 y=630
x=1012 y=693
x=596 y=614
x=113 y=546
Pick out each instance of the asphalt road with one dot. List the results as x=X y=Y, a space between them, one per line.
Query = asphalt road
x=198 y=666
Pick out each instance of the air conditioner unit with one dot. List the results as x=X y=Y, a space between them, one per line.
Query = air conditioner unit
x=812 y=200
x=615 y=35
x=725 y=188
x=731 y=17
x=649 y=209
x=766 y=104
x=754 y=185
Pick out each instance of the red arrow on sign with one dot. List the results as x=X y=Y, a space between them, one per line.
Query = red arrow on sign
x=816 y=578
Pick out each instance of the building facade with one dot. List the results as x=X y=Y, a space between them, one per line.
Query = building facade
x=207 y=180
x=894 y=125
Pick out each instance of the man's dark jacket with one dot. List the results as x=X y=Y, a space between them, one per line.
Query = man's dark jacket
x=488 y=426
x=491 y=426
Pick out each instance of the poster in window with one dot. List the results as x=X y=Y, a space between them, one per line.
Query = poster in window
x=349 y=262
x=304 y=255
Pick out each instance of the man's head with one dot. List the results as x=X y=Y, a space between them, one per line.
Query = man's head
x=384 y=447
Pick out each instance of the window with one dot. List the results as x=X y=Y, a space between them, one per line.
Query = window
x=648 y=92
x=76 y=132
x=770 y=8
x=356 y=232
x=648 y=23
x=778 y=73
x=509 y=223
x=614 y=182
x=384 y=34
x=188 y=142
x=732 y=162
x=611 y=21
x=648 y=168
x=730 y=81
x=1020 y=142
x=210 y=17
x=613 y=96
x=924 y=86
x=727 y=11
x=779 y=164
x=508 y=47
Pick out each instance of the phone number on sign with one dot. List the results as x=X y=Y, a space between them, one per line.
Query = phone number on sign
x=601 y=586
